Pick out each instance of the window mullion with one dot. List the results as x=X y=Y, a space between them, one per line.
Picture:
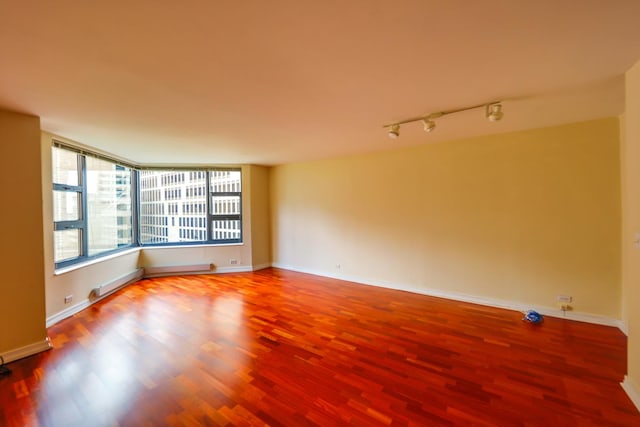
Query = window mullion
x=209 y=208
x=84 y=232
x=135 y=207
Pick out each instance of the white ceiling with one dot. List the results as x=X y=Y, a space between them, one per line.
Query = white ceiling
x=279 y=81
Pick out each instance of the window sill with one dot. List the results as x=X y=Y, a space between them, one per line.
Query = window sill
x=193 y=245
x=64 y=270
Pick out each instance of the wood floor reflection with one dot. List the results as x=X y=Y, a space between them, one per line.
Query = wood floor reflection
x=287 y=349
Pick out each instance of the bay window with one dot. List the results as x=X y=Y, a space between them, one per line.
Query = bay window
x=101 y=205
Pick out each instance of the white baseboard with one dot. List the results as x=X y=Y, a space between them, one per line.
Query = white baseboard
x=261 y=266
x=632 y=390
x=624 y=327
x=27 y=350
x=68 y=312
x=474 y=299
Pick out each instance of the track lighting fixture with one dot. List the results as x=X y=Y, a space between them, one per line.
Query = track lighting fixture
x=394 y=131
x=493 y=112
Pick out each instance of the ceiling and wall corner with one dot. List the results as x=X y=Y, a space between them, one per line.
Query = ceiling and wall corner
x=285 y=81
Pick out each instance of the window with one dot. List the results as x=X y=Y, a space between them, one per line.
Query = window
x=101 y=206
x=173 y=206
x=92 y=206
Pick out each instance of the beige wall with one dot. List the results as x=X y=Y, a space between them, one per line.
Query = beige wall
x=631 y=222
x=519 y=217
x=22 y=298
x=260 y=219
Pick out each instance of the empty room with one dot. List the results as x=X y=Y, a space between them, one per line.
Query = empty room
x=305 y=213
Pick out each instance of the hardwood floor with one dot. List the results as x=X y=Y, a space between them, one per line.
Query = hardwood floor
x=287 y=349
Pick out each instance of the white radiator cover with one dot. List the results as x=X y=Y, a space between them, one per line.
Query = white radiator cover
x=173 y=269
x=115 y=284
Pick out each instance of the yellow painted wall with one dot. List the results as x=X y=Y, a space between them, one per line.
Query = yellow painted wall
x=260 y=219
x=22 y=297
x=631 y=222
x=519 y=217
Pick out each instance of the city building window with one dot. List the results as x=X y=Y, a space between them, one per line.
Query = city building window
x=182 y=195
x=92 y=206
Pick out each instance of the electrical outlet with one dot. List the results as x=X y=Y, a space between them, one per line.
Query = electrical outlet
x=233 y=261
x=338 y=266
x=68 y=299
x=564 y=299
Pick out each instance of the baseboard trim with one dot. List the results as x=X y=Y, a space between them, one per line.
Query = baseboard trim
x=68 y=312
x=624 y=327
x=629 y=386
x=474 y=299
x=27 y=350
x=261 y=266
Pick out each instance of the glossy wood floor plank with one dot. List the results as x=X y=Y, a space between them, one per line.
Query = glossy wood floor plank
x=287 y=349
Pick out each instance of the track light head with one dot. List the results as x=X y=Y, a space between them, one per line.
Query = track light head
x=394 y=131
x=429 y=124
x=494 y=112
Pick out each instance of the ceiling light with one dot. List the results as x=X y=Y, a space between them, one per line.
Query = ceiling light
x=429 y=125
x=494 y=112
x=394 y=132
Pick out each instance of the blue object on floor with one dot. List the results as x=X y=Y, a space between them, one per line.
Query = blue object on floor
x=533 y=317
